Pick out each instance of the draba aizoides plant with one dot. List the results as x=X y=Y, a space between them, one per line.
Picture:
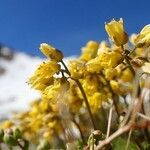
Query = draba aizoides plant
x=99 y=100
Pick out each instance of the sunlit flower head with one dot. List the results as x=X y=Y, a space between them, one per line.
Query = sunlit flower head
x=89 y=51
x=115 y=30
x=143 y=39
x=51 y=52
x=43 y=76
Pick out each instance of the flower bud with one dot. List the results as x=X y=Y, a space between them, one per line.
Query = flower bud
x=51 y=52
x=17 y=133
x=89 y=51
x=94 y=65
x=92 y=45
x=10 y=140
x=115 y=30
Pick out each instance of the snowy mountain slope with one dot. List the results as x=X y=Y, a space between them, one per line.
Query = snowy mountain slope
x=15 y=93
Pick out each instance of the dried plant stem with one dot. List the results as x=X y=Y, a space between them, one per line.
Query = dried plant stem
x=132 y=102
x=83 y=94
x=114 y=97
x=67 y=71
x=126 y=58
x=20 y=146
x=115 y=100
x=132 y=51
x=144 y=116
x=113 y=136
x=86 y=102
x=137 y=107
x=131 y=123
x=92 y=141
x=128 y=140
x=121 y=131
x=129 y=64
x=125 y=120
x=109 y=122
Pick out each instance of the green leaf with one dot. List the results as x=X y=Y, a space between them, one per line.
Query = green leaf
x=17 y=133
x=120 y=144
x=10 y=140
x=80 y=145
x=26 y=145
x=1 y=134
x=145 y=145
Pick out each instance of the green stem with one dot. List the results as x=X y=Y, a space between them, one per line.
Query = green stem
x=67 y=71
x=114 y=97
x=86 y=102
x=81 y=133
x=115 y=100
x=128 y=61
x=129 y=64
x=146 y=129
x=20 y=146
x=92 y=141
x=132 y=51
x=83 y=94
x=10 y=148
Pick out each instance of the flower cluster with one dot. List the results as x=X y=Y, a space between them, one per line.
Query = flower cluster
x=103 y=73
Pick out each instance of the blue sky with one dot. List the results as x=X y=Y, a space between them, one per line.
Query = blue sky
x=66 y=24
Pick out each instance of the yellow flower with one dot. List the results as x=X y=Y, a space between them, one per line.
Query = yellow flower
x=103 y=46
x=89 y=51
x=92 y=45
x=132 y=38
x=52 y=124
x=77 y=69
x=6 y=124
x=127 y=75
x=114 y=85
x=55 y=91
x=43 y=76
x=109 y=59
x=110 y=73
x=143 y=39
x=115 y=30
x=105 y=59
x=51 y=92
x=90 y=84
x=34 y=111
x=121 y=88
x=44 y=106
x=51 y=52
x=96 y=100
x=74 y=103
x=94 y=65
x=48 y=135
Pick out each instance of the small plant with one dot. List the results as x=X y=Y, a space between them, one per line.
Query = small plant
x=97 y=101
x=12 y=139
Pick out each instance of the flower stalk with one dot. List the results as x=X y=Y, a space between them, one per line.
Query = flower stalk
x=83 y=94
